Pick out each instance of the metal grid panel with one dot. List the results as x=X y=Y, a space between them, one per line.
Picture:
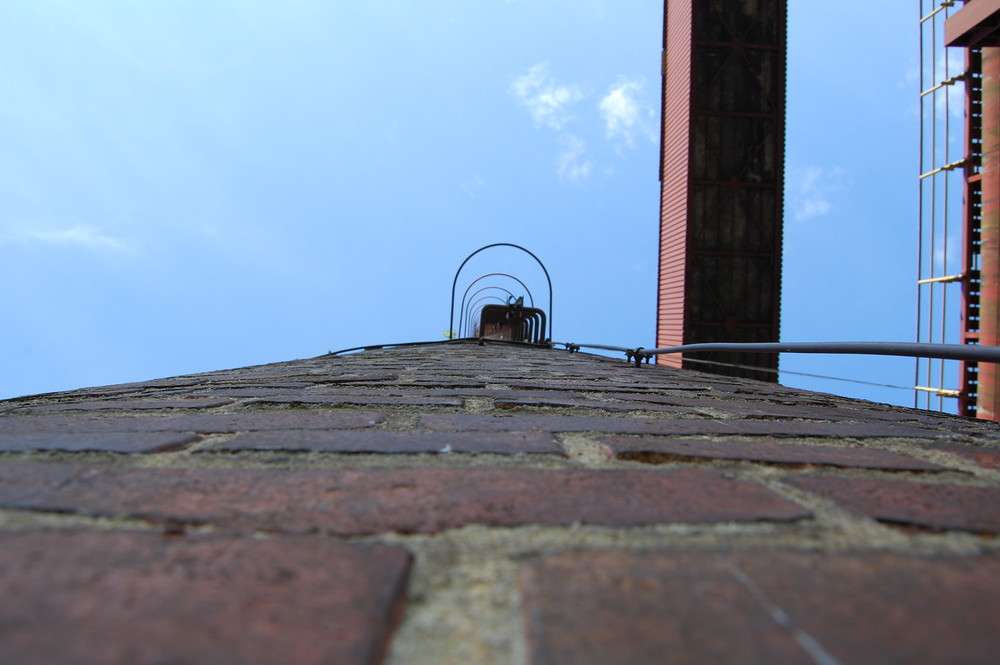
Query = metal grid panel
x=948 y=279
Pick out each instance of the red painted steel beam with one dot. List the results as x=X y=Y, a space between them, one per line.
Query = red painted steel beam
x=976 y=25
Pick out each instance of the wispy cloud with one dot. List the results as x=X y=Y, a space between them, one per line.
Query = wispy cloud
x=474 y=185
x=83 y=237
x=547 y=101
x=811 y=190
x=626 y=114
x=572 y=164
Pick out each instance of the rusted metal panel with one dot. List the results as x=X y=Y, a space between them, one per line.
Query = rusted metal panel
x=722 y=172
x=988 y=401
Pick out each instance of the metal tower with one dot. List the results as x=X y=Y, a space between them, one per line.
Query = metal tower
x=721 y=173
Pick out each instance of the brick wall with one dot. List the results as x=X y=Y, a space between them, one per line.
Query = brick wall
x=498 y=504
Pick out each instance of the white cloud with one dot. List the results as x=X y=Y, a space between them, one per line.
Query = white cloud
x=626 y=114
x=546 y=100
x=474 y=185
x=950 y=100
x=571 y=163
x=810 y=191
x=80 y=236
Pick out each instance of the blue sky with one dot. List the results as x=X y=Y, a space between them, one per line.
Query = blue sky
x=191 y=186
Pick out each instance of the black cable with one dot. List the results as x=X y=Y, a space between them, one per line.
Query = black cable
x=791 y=373
x=966 y=352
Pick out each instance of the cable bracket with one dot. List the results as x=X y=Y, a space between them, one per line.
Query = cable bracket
x=638 y=355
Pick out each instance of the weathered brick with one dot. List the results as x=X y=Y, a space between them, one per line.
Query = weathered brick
x=936 y=506
x=760 y=607
x=793 y=405
x=311 y=397
x=676 y=426
x=111 y=442
x=745 y=408
x=135 y=404
x=204 y=422
x=988 y=458
x=663 y=449
x=133 y=597
x=404 y=500
x=384 y=441
x=558 y=401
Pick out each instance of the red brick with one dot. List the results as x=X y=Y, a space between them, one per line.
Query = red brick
x=657 y=450
x=598 y=607
x=354 y=400
x=988 y=458
x=792 y=405
x=384 y=441
x=135 y=404
x=110 y=442
x=205 y=423
x=405 y=500
x=919 y=504
x=558 y=401
x=681 y=426
x=755 y=408
x=503 y=395
x=107 y=598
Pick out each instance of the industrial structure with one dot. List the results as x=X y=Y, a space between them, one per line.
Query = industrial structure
x=721 y=174
x=959 y=230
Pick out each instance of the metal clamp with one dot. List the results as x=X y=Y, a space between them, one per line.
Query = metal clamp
x=639 y=355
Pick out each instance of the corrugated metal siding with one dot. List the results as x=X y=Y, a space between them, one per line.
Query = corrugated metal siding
x=675 y=175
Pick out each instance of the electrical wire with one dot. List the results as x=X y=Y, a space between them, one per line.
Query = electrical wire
x=791 y=373
x=966 y=352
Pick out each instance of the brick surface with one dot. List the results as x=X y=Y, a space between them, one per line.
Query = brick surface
x=205 y=423
x=383 y=441
x=557 y=401
x=682 y=426
x=988 y=458
x=605 y=607
x=310 y=397
x=796 y=406
x=107 y=598
x=378 y=500
x=657 y=450
x=111 y=442
x=135 y=404
x=918 y=504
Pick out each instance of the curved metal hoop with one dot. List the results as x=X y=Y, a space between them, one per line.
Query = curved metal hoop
x=473 y=313
x=462 y=312
x=454 y=284
x=461 y=308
